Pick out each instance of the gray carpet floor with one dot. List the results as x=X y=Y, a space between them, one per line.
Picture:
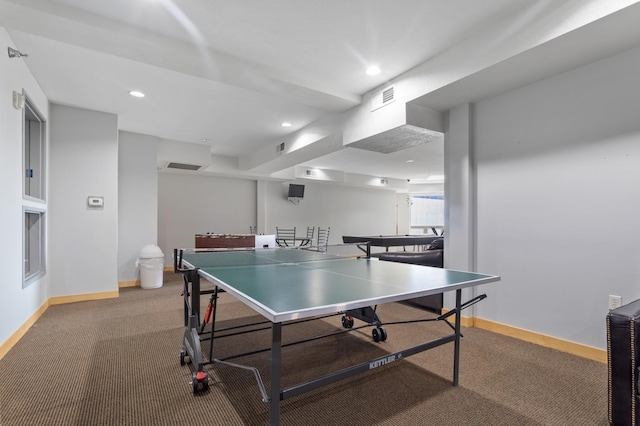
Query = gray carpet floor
x=116 y=362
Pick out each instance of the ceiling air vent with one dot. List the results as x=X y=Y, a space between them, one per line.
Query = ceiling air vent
x=280 y=148
x=382 y=98
x=182 y=166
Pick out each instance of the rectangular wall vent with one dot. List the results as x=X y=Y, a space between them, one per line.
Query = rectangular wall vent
x=280 y=148
x=382 y=98
x=182 y=166
x=388 y=95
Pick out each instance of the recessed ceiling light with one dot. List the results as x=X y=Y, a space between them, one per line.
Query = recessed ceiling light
x=136 y=94
x=373 y=70
x=409 y=161
x=286 y=124
x=206 y=140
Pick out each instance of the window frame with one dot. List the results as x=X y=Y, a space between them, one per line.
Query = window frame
x=34 y=206
x=436 y=216
x=30 y=273
x=33 y=150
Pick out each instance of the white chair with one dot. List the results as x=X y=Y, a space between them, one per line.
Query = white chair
x=323 y=239
x=310 y=231
x=286 y=237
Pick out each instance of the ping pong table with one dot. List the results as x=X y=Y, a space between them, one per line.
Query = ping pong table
x=289 y=285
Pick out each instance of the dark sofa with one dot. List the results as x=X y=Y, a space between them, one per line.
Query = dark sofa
x=426 y=258
x=433 y=258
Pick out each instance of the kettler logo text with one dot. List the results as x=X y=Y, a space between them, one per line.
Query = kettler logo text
x=383 y=361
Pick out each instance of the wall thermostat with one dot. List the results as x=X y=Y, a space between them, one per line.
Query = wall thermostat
x=94 y=202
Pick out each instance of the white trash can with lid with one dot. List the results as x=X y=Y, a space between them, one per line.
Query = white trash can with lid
x=151 y=263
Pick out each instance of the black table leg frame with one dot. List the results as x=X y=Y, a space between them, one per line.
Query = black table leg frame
x=278 y=394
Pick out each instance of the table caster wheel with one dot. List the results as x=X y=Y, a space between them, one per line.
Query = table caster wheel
x=199 y=381
x=383 y=334
x=379 y=334
x=347 y=322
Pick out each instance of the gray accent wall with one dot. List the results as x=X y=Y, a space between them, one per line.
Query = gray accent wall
x=83 y=162
x=137 y=200
x=557 y=199
x=17 y=305
x=190 y=204
x=347 y=210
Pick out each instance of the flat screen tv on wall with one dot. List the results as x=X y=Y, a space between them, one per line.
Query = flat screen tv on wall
x=296 y=191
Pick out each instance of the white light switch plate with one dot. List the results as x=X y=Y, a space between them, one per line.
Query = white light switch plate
x=94 y=202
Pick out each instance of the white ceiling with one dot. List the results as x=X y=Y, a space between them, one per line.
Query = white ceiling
x=233 y=71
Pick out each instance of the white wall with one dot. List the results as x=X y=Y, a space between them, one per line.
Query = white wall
x=16 y=304
x=460 y=190
x=558 y=199
x=137 y=200
x=83 y=162
x=347 y=210
x=403 y=214
x=191 y=204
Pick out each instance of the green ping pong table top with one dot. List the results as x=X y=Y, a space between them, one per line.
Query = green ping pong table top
x=286 y=284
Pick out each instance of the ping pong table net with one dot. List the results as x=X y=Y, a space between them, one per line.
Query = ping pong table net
x=187 y=258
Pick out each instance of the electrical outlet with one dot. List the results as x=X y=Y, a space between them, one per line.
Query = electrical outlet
x=614 y=301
